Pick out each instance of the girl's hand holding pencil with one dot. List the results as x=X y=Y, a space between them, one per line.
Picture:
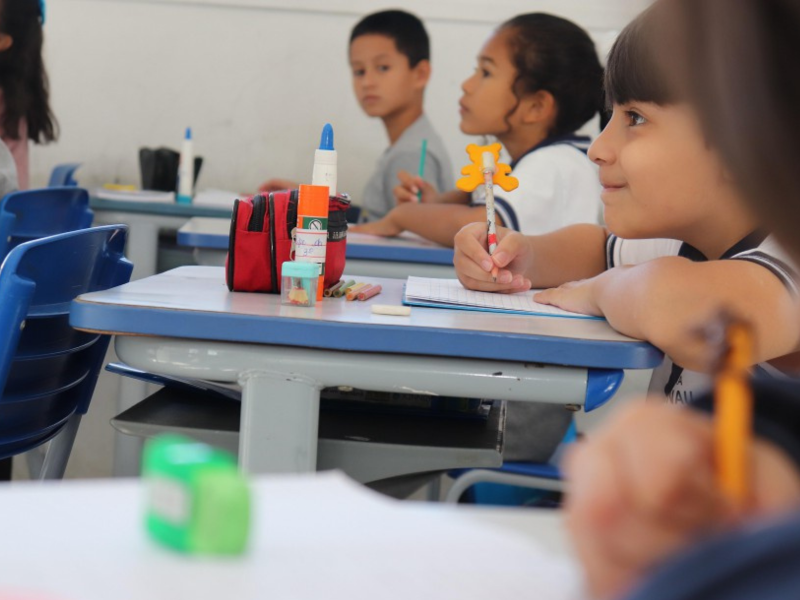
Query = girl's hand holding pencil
x=474 y=266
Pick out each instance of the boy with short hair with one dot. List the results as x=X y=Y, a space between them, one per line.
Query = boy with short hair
x=390 y=61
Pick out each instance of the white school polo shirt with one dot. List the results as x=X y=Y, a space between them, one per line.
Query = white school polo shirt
x=558 y=186
x=678 y=384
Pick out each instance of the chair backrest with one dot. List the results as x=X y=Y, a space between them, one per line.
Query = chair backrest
x=48 y=370
x=32 y=214
x=61 y=176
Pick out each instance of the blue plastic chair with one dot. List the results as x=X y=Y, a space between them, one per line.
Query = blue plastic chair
x=33 y=214
x=62 y=175
x=601 y=386
x=48 y=370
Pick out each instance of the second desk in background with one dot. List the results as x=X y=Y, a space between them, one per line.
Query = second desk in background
x=367 y=255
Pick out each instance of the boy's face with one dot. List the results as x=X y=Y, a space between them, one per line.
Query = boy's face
x=659 y=177
x=488 y=97
x=383 y=81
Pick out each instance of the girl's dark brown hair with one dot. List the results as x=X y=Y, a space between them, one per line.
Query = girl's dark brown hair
x=633 y=72
x=554 y=55
x=23 y=77
x=737 y=63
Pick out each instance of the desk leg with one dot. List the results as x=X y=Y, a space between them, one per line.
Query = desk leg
x=279 y=424
x=128 y=448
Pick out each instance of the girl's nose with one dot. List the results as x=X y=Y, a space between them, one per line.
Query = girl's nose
x=465 y=85
x=600 y=152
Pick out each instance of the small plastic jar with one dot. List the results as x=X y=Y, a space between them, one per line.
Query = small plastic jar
x=299 y=283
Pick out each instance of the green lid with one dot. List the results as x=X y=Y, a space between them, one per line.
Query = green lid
x=300 y=269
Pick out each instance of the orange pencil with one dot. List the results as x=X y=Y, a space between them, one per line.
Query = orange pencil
x=367 y=294
x=733 y=413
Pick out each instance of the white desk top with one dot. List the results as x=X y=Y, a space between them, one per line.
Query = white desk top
x=313 y=537
x=209 y=311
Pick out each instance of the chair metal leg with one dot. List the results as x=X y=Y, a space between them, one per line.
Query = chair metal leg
x=469 y=479
x=34 y=458
x=434 y=491
x=59 y=449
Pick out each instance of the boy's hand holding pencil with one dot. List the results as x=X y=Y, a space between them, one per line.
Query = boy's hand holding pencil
x=413 y=188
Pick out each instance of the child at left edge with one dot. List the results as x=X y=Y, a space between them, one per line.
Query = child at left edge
x=25 y=113
x=537 y=81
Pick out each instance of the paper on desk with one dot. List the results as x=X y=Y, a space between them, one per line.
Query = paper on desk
x=449 y=293
x=362 y=545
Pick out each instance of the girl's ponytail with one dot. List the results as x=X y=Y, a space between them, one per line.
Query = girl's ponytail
x=554 y=55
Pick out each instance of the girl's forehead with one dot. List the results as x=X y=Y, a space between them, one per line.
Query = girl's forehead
x=495 y=48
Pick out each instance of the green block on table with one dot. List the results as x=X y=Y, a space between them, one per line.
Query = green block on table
x=198 y=502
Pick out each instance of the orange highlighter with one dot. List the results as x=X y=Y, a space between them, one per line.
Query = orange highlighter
x=311 y=235
x=733 y=414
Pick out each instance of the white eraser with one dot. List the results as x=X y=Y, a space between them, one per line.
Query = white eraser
x=488 y=163
x=391 y=309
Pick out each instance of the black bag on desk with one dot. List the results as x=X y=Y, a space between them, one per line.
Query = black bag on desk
x=159 y=168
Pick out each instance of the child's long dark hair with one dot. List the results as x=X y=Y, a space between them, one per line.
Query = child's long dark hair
x=23 y=77
x=554 y=55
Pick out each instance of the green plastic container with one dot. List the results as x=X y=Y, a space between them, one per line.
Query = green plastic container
x=198 y=502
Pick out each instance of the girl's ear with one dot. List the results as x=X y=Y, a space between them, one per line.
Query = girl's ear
x=6 y=41
x=539 y=107
x=422 y=73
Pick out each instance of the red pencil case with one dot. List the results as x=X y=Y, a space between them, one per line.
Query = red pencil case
x=261 y=240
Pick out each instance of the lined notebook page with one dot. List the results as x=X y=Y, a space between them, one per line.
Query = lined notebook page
x=449 y=293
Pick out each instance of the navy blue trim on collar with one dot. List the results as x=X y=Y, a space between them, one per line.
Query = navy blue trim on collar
x=749 y=242
x=570 y=139
x=507 y=213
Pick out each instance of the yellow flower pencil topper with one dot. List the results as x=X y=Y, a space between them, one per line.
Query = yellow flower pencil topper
x=485 y=170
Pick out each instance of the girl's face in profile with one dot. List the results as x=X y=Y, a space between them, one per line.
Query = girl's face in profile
x=659 y=176
x=487 y=94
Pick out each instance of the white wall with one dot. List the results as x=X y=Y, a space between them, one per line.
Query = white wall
x=255 y=79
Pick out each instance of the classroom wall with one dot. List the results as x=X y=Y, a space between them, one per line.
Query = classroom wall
x=255 y=79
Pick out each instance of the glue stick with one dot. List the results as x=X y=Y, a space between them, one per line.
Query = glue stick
x=186 y=170
x=311 y=235
x=324 y=172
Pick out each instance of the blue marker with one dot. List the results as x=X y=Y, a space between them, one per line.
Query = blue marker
x=325 y=161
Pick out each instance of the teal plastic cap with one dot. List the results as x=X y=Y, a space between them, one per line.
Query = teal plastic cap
x=300 y=269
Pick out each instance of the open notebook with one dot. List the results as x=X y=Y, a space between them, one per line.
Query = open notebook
x=449 y=293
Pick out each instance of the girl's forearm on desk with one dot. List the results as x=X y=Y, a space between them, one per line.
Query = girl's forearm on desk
x=436 y=222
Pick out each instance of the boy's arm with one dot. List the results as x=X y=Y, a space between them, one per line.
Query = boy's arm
x=574 y=252
x=665 y=300
x=436 y=222
x=410 y=185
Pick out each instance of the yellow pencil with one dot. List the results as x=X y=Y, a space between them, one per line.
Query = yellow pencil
x=733 y=413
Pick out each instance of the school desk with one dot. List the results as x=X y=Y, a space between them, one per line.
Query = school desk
x=185 y=323
x=145 y=221
x=313 y=536
x=367 y=255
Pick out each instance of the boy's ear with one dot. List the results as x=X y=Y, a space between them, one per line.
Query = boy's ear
x=422 y=73
x=6 y=41
x=539 y=107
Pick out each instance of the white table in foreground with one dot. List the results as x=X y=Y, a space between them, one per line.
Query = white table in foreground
x=185 y=323
x=312 y=537
x=367 y=255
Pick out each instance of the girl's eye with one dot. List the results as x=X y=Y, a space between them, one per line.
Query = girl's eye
x=383 y=68
x=358 y=72
x=634 y=118
x=482 y=72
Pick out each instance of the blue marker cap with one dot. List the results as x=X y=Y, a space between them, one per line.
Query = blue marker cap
x=188 y=135
x=326 y=141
